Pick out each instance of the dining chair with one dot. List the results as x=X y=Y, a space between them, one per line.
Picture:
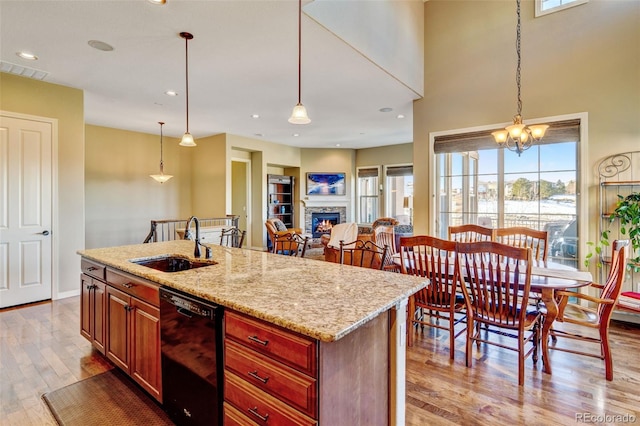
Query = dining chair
x=290 y=244
x=232 y=237
x=364 y=253
x=385 y=235
x=495 y=280
x=521 y=236
x=433 y=258
x=469 y=233
x=593 y=318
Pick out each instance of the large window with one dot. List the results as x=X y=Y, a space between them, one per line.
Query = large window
x=483 y=183
x=399 y=193
x=368 y=194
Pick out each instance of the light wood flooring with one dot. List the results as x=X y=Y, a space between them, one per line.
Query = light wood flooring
x=41 y=350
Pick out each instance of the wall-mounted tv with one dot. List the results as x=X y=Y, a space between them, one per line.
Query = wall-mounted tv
x=326 y=184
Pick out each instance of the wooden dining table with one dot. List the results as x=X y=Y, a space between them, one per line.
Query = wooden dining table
x=546 y=278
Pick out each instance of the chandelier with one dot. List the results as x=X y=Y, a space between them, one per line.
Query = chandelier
x=162 y=178
x=518 y=137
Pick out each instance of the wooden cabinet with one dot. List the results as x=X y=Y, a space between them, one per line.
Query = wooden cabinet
x=280 y=198
x=289 y=379
x=270 y=373
x=120 y=316
x=92 y=311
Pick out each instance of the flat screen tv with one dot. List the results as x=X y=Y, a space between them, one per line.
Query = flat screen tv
x=326 y=184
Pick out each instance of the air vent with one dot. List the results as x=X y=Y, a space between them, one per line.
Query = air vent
x=16 y=69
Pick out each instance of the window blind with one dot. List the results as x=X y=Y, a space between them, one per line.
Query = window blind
x=559 y=131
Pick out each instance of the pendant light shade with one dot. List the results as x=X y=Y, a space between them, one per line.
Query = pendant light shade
x=299 y=114
x=162 y=178
x=187 y=139
x=518 y=137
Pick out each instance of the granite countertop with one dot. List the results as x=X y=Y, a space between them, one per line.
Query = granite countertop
x=322 y=300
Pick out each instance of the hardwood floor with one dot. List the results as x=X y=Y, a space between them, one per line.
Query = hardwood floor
x=41 y=350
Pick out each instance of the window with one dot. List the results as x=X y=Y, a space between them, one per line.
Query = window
x=399 y=193
x=368 y=194
x=477 y=181
x=544 y=7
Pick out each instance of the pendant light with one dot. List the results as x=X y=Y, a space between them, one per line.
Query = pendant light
x=518 y=137
x=162 y=178
x=299 y=114
x=187 y=139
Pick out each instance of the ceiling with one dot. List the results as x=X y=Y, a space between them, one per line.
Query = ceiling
x=242 y=61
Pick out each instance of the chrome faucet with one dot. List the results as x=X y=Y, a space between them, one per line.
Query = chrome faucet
x=187 y=234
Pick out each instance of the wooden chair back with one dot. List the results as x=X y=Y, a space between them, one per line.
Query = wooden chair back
x=232 y=237
x=290 y=244
x=366 y=254
x=520 y=236
x=497 y=282
x=598 y=318
x=385 y=235
x=433 y=258
x=470 y=233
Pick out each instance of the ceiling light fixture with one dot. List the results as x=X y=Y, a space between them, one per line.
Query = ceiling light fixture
x=28 y=56
x=162 y=178
x=100 y=45
x=159 y=2
x=518 y=137
x=171 y=93
x=187 y=139
x=299 y=114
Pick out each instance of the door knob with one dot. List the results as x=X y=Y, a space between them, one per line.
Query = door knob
x=45 y=232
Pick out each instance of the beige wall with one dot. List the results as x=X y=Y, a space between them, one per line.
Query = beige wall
x=385 y=155
x=210 y=171
x=121 y=198
x=583 y=59
x=32 y=97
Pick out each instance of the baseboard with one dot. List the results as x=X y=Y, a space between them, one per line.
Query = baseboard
x=626 y=317
x=65 y=294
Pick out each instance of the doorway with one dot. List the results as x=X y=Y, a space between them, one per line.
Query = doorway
x=26 y=209
x=240 y=190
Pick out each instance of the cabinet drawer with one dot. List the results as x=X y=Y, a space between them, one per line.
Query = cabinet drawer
x=259 y=406
x=134 y=286
x=233 y=417
x=291 y=349
x=93 y=269
x=277 y=379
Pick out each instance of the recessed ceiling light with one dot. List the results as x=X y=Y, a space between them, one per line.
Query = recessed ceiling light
x=28 y=56
x=255 y=116
x=400 y=116
x=295 y=135
x=386 y=109
x=171 y=93
x=100 y=45
x=259 y=135
x=157 y=1
x=337 y=144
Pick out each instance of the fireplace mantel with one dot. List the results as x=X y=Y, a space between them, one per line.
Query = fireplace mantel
x=328 y=202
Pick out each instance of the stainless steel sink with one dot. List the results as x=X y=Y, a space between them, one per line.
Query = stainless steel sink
x=172 y=263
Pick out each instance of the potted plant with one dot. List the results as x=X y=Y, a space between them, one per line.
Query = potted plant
x=627 y=213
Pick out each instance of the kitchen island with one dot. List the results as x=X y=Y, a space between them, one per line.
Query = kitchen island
x=354 y=317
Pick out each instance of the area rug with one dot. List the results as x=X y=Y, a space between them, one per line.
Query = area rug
x=110 y=398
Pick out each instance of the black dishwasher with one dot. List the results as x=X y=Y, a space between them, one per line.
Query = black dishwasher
x=191 y=345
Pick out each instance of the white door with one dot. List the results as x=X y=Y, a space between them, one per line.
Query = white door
x=25 y=210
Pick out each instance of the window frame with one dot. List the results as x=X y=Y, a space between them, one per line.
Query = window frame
x=539 y=11
x=360 y=197
x=582 y=170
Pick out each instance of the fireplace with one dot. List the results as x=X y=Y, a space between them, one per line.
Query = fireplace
x=321 y=223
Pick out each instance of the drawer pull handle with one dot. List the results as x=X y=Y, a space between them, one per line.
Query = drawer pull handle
x=127 y=285
x=255 y=339
x=254 y=411
x=254 y=374
x=92 y=268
